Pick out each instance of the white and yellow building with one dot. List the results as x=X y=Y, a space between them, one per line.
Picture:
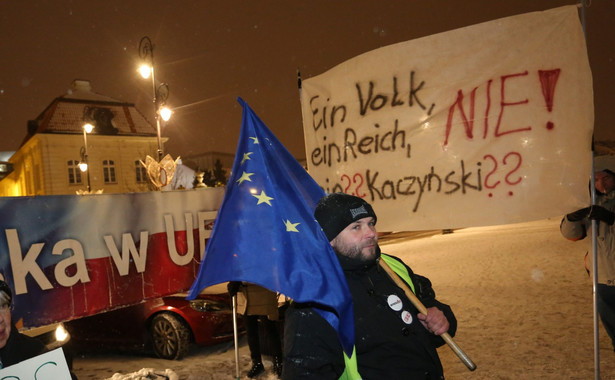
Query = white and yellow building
x=47 y=162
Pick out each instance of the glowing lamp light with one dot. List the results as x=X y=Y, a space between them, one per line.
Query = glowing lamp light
x=145 y=71
x=161 y=93
x=61 y=333
x=88 y=127
x=83 y=166
x=165 y=113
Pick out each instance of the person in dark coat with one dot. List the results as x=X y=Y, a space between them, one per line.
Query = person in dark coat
x=256 y=304
x=392 y=339
x=14 y=347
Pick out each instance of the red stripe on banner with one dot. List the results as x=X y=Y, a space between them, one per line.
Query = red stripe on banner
x=106 y=289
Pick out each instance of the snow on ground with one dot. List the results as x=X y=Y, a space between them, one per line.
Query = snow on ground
x=202 y=363
x=520 y=293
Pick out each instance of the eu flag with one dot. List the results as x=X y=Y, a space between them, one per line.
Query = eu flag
x=265 y=232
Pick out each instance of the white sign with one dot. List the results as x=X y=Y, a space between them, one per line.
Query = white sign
x=48 y=366
x=488 y=124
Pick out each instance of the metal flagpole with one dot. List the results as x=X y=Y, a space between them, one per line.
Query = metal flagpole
x=594 y=243
x=595 y=275
x=234 y=302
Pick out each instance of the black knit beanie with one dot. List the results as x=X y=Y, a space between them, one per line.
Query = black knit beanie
x=4 y=287
x=336 y=211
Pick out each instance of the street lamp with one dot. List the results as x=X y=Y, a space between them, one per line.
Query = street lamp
x=161 y=93
x=87 y=128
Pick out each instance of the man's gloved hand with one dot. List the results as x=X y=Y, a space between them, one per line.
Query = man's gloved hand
x=602 y=214
x=578 y=215
x=233 y=288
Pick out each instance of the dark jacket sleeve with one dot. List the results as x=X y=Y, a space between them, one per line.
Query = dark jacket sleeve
x=311 y=347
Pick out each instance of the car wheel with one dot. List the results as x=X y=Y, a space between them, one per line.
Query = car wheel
x=170 y=336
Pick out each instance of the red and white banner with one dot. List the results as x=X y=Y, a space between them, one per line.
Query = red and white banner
x=488 y=124
x=70 y=256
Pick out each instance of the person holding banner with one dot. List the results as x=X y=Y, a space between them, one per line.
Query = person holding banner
x=257 y=303
x=393 y=340
x=577 y=225
x=14 y=347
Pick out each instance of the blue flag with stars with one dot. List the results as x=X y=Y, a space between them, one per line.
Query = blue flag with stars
x=265 y=232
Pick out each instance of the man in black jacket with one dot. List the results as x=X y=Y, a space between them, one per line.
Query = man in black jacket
x=392 y=339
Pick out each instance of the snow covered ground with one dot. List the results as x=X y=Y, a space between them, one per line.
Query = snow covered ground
x=520 y=293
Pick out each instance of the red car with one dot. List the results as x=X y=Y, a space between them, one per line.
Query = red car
x=168 y=325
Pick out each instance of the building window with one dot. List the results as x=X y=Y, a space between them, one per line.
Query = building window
x=37 y=178
x=109 y=171
x=74 y=173
x=140 y=172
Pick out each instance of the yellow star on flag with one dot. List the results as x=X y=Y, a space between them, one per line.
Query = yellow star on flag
x=262 y=198
x=291 y=227
x=254 y=140
x=245 y=177
x=246 y=156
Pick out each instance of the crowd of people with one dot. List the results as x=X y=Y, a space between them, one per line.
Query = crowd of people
x=394 y=338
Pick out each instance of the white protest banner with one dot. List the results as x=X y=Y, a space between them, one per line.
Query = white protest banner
x=488 y=124
x=50 y=365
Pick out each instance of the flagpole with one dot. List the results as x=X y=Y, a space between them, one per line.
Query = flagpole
x=594 y=241
x=234 y=302
x=595 y=275
x=299 y=83
x=422 y=309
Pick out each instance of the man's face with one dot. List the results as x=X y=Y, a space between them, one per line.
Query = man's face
x=5 y=324
x=358 y=240
x=604 y=182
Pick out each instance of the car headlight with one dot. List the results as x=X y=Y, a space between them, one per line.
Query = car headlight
x=61 y=337
x=61 y=333
x=207 y=305
x=52 y=336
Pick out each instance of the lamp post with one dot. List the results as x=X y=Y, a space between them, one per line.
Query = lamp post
x=83 y=166
x=87 y=128
x=161 y=93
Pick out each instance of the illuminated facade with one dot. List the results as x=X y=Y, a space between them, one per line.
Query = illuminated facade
x=47 y=163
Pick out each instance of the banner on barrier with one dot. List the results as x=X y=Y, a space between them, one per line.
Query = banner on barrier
x=69 y=256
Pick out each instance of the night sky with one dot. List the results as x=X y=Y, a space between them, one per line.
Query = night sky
x=211 y=52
